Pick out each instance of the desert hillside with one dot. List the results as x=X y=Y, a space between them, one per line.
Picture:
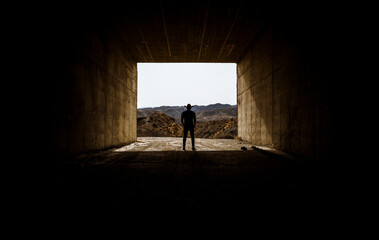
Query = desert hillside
x=159 y=124
x=217 y=129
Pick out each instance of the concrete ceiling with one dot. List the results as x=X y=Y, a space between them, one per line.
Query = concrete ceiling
x=189 y=31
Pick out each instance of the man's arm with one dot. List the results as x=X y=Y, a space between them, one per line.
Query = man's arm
x=181 y=119
x=194 y=120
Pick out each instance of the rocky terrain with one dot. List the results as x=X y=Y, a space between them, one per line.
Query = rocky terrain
x=225 y=129
x=213 y=121
x=158 y=124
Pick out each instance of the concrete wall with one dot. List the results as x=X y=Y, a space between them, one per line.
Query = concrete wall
x=95 y=95
x=284 y=90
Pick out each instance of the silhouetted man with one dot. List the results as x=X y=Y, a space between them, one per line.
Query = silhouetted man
x=188 y=120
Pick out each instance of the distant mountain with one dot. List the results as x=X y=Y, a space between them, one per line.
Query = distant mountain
x=217 y=114
x=216 y=111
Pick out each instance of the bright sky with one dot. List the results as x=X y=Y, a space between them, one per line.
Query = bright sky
x=177 y=84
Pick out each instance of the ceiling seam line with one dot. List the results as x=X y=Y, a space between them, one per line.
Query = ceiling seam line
x=143 y=38
x=230 y=30
x=203 y=33
x=165 y=30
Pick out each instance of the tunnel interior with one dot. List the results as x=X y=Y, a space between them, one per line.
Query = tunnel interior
x=290 y=71
x=284 y=89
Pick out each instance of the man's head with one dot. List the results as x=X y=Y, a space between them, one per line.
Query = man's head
x=189 y=106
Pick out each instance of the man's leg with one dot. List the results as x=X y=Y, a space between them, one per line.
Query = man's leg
x=192 y=132
x=185 y=131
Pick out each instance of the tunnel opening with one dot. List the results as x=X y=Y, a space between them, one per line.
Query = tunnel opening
x=164 y=90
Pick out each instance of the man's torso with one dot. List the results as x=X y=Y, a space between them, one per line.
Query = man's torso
x=188 y=118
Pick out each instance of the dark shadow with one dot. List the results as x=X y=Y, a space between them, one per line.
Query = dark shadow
x=183 y=186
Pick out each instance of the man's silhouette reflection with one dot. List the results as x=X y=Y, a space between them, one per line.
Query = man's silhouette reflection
x=188 y=120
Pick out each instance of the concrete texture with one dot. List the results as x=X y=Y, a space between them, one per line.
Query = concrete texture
x=190 y=31
x=95 y=99
x=284 y=99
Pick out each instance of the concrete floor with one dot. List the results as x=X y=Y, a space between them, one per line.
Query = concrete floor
x=153 y=179
x=175 y=144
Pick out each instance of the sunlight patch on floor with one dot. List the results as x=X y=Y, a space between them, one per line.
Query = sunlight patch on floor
x=176 y=144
